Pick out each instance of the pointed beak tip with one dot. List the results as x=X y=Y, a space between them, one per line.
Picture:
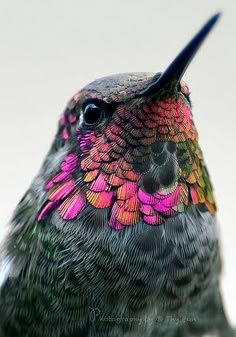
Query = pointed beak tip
x=212 y=21
x=217 y=15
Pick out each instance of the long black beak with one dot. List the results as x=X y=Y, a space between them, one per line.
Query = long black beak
x=177 y=68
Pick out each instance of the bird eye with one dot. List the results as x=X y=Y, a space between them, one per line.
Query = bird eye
x=92 y=114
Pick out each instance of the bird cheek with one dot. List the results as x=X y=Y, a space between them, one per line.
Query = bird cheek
x=86 y=140
x=184 y=88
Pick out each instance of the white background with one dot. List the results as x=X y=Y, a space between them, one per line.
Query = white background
x=50 y=49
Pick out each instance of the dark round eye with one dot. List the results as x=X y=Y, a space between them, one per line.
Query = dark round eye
x=92 y=113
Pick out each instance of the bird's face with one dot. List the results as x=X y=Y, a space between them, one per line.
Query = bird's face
x=136 y=158
x=132 y=149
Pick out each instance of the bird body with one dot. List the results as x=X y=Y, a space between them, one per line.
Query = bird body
x=117 y=234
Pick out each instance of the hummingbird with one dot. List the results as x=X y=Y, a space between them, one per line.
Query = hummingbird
x=117 y=234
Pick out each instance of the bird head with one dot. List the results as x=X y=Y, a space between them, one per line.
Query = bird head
x=132 y=151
